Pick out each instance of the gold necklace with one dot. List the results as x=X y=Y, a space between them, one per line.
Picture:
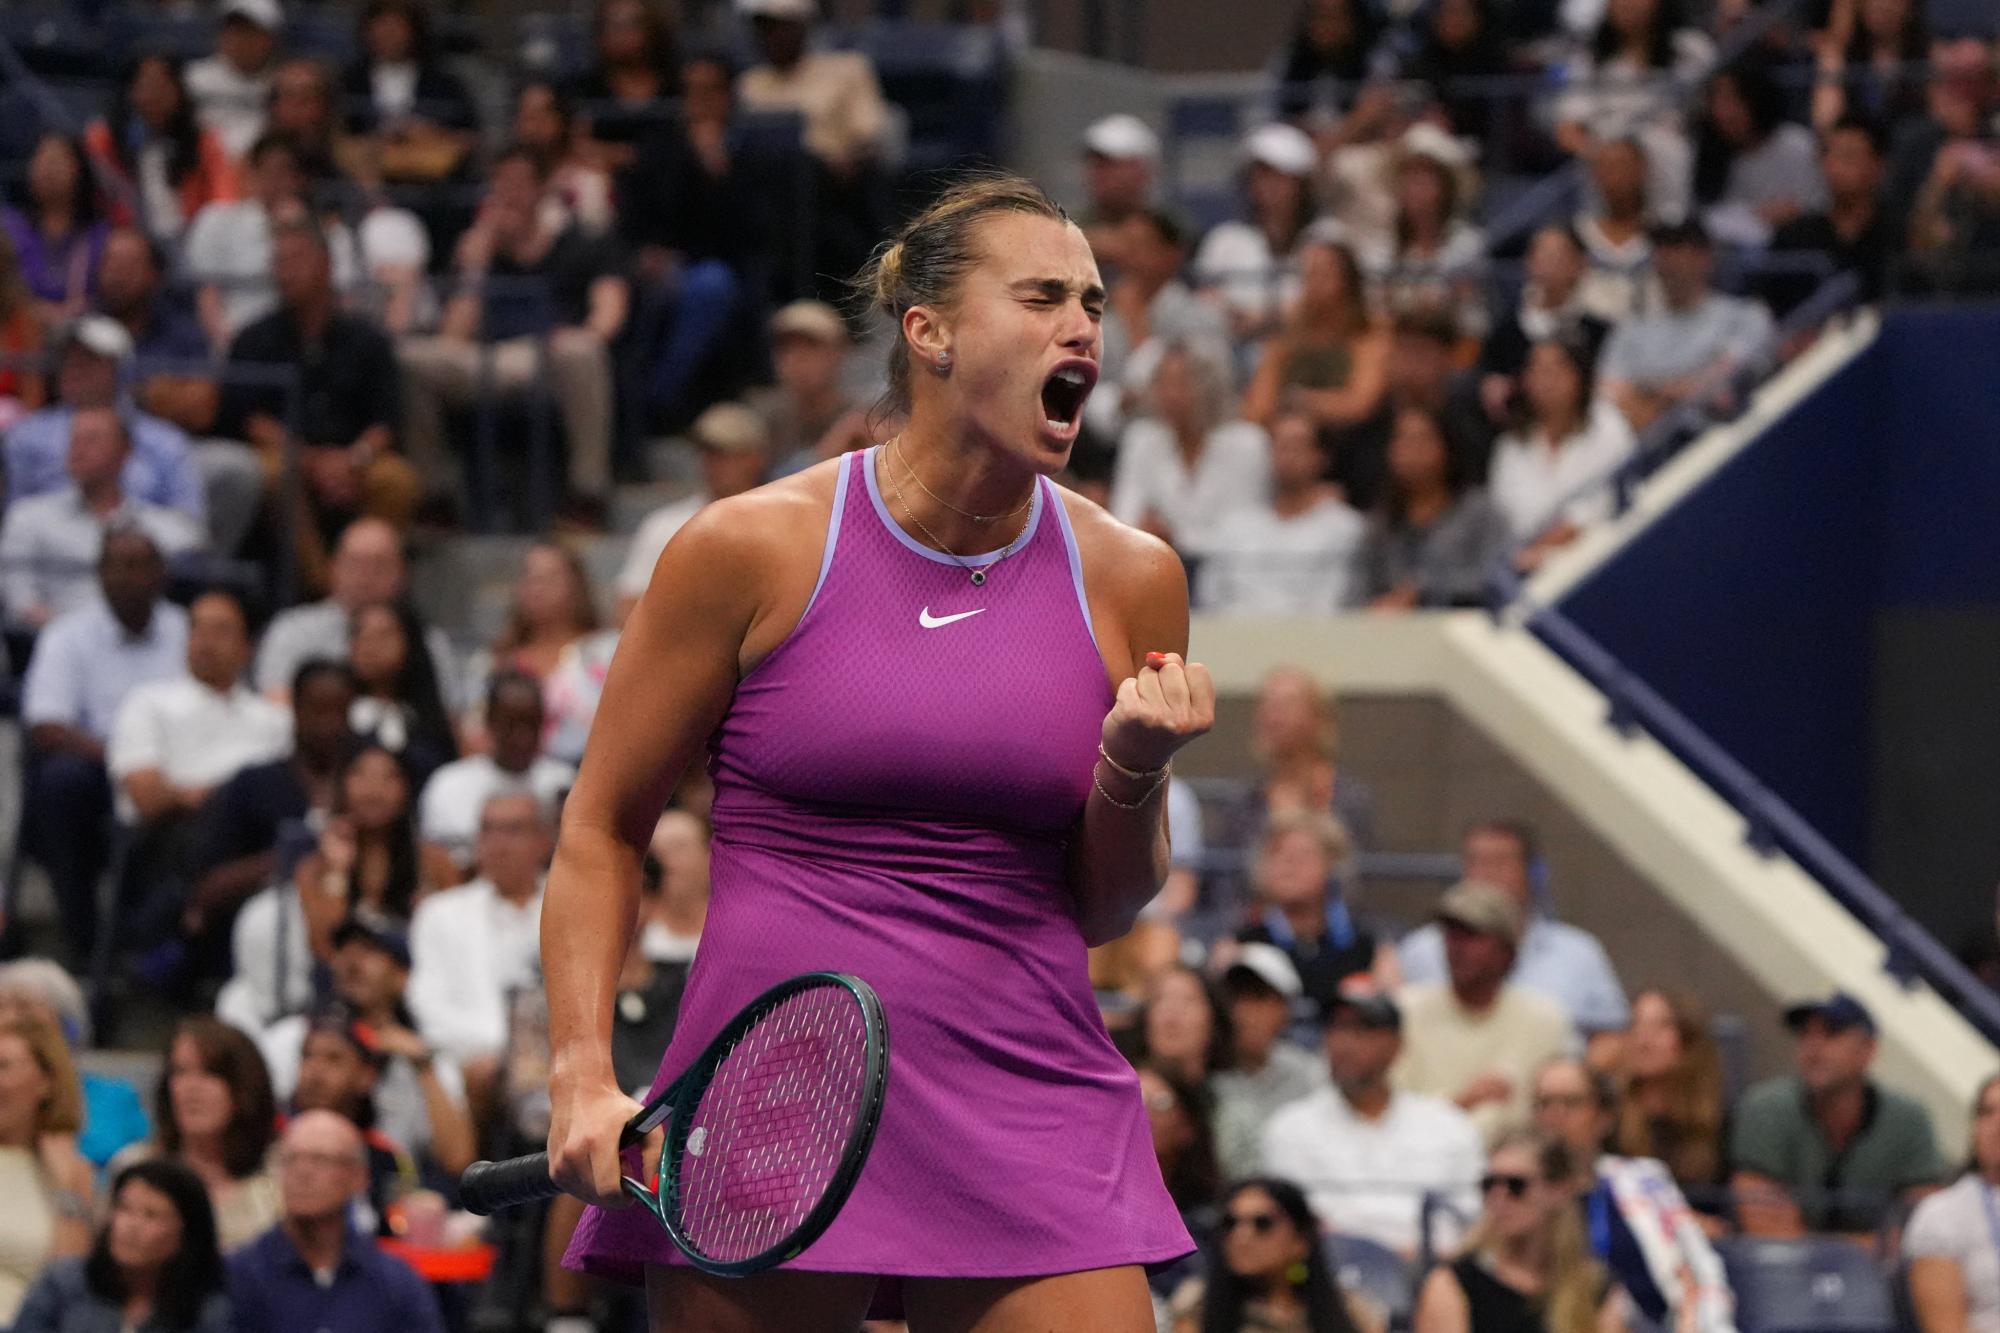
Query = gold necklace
x=978 y=573
x=901 y=457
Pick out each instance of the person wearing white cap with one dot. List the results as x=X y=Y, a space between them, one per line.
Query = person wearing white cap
x=232 y=88
x=805 y=411
x=1121 y=175
x=1247 y=265
x=1260 y=987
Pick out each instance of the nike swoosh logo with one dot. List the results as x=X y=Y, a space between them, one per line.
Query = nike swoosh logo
x=929 y=621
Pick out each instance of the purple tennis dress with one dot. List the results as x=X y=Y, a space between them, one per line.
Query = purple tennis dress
x=893 y=787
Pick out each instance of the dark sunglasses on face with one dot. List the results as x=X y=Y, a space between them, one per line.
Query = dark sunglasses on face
x=1259 y=1223
x=1516 y=1186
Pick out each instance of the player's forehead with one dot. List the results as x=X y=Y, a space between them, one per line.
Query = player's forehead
x=1017 y=249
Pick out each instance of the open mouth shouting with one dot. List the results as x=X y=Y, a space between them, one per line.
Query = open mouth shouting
x=1063 y=395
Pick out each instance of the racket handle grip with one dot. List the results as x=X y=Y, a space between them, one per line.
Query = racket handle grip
x=487 y=1186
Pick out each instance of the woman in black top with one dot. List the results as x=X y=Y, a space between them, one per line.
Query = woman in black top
x=1527 y=1266
x=1334 y=41
x=1267 y=1271
x=400 y=706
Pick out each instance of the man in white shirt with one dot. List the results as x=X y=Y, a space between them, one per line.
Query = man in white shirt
x=49 y=544
x=1294 y=554
x=1186 y=466
x=231 y=89
x=1474 y=1038
x=85 y=665
x=367 y=569
x=472 y=945
x=456 y=795
x=735 y=450
x=1565 y=963
x=1366 y=1152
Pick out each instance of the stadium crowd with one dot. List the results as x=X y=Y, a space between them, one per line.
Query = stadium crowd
x=265 y=320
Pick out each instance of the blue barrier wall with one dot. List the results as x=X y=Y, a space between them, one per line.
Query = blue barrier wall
x=1808 y=604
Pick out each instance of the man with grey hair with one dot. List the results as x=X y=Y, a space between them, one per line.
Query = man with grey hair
x=314 y=1270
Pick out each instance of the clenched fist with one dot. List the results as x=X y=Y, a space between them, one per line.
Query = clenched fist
x=1166 y=705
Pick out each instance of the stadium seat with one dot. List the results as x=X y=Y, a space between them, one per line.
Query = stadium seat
x=1375 y=1272
x=1815 y=1285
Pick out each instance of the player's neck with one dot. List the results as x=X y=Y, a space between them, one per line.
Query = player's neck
x=937 y=475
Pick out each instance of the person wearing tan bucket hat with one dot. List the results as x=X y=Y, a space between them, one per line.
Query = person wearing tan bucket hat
x=735 y=452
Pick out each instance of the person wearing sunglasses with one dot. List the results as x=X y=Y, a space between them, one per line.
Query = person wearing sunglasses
x=1267 y=1272
x=1527 y=1267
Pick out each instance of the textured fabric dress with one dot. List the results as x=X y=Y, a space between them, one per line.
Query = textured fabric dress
x=893 y=788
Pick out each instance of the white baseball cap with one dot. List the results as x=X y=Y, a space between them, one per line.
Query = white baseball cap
x=1283 y=148
x=264 y=13
x=1270 y=965
x=100 y=334
x=795 y=11
x=1122 y=137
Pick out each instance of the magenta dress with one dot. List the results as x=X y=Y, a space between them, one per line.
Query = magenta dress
x=893 y=788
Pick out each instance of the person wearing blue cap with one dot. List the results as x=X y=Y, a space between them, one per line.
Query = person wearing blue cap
x=1827 y=1148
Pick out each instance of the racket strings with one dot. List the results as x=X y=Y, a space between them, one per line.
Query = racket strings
x=772 y=1126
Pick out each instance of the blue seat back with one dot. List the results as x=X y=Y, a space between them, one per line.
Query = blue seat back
x=1813 y=1285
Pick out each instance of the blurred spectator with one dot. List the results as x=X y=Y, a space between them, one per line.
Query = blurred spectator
x=1853 y=229
x=456 y=793
x=1183 y=1028
x=1266 y=1270
x=1828 y=1148
x=1622 y=86
x=302 y=113
x=1147 y=309
x=174 y=743
x=340 y=1067
x=401 y=94
x=621 y=97
x=1331 y=51
x=1615 y=234
x=366 y=857
x=398 y=704
x=155 y=155
x=343 y=435
x=49 y=543
x=1755 y=170
x=232 y=88
x=1554 y=304
x=846 y=122
x=1639 y=1225
x=1249 y=267
x=1432 y=539
x=1528 y=1265
x=1433 y=258
x=1460 y=50
x=1184 y=467
x=533 y=307
x=38 y=990
x=92 y=352
x=1693 y=343
x=1952 y=1245
x=235 y=851
x=1673 y=1107
x=473 y=944
x=367 y=569
x=1265 y=1072
x=671 y=919
x=154 y=1267
x=1293 y=554
x=1302 y=856
x=230 y=249
x=1559 y=961
x=1870 y=61
x=55 y=228
x=1545 y=470
x=183 y=395
x=419 y=1094
x=1295 y=737
x=20 y=339
x=805 y=410
x=1425 y=350
x=571 y=693
x=735 y=456
x=84 y=665
x=1955 y=223
x=277 y=1282
x=1121 y=169
x=214 y=1113
x=1330 y=359
x=47 y=1183
x=553 y=613
x=1961 y=101
x=580 y=187
x=1365 y=1151
x=1177 y=1111
x=1478 y=1037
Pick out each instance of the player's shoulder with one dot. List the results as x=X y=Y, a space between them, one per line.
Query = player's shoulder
x=1121 y=560
x=767 y=522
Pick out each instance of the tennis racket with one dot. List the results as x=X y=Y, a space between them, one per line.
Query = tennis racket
x=765 y=1132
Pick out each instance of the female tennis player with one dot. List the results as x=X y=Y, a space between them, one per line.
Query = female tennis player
x=939 y=696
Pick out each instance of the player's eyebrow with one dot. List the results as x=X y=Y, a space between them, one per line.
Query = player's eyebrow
x=1056 y=289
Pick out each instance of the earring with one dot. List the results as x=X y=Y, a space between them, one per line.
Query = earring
x=944 y=361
